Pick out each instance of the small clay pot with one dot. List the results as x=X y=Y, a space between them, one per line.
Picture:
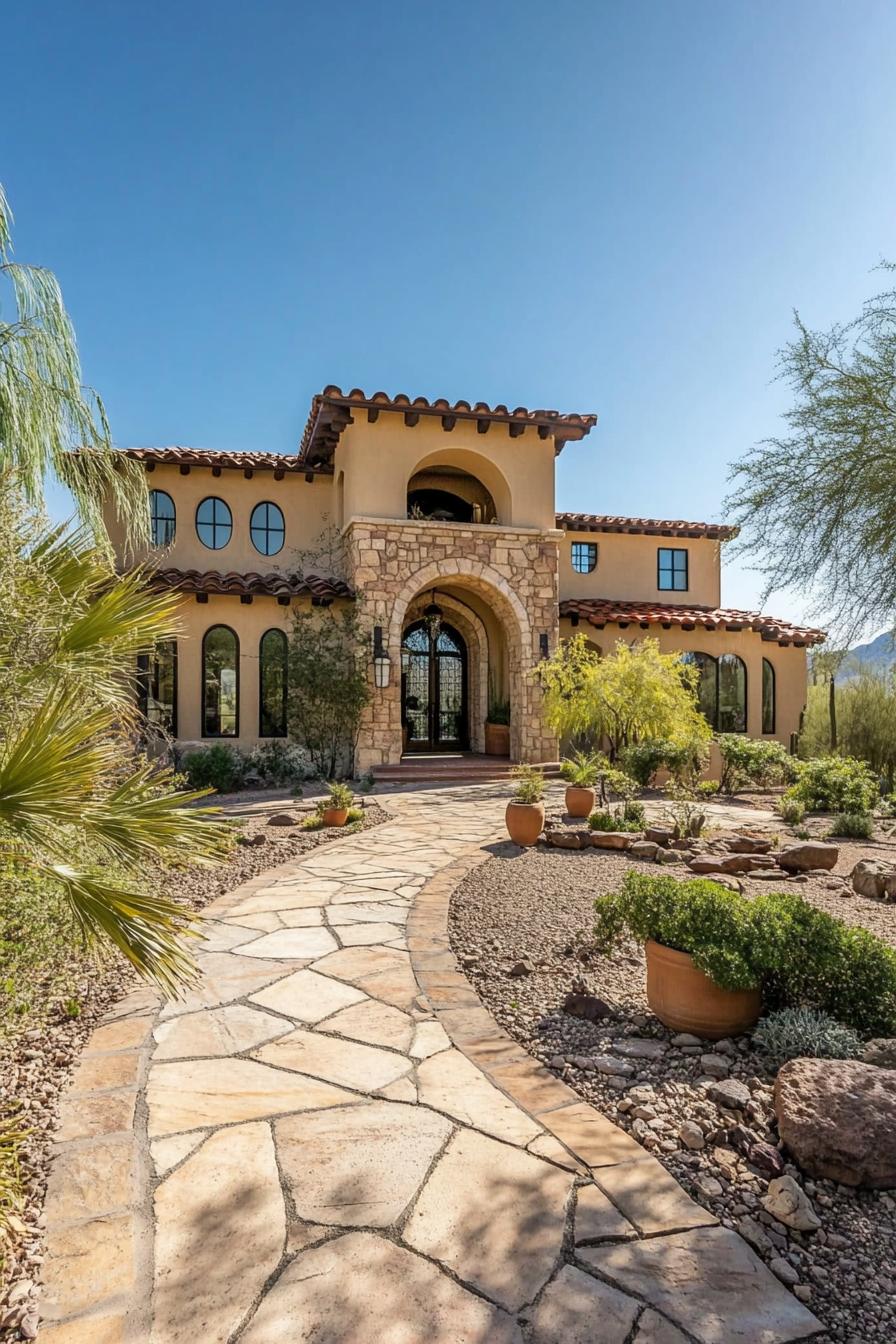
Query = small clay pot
x=335 y=816
x=579 y=801
x=525 y=822
x=684 y=999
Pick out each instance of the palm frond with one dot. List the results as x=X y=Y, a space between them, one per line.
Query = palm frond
x=139 y=820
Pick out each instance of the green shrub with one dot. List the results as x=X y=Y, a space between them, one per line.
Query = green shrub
x=499 y=711
x=338 y=795
x=800 y=1033
x=609 y=821
x=701 y=917
x=835 y=784
x=684 y=811
x=749 y=760
x=278 y=761
x=642 y=760
x=708 y=788
x=613 y=782
x=792 y=811
x=529 y=784
x=217 y=767
x=853 y=825
x=800 y=956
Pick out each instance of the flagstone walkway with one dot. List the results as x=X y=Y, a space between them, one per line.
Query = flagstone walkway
x=331 y=1140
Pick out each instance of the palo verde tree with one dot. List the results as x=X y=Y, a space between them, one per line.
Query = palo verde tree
x=632 y=695
x=817 y=505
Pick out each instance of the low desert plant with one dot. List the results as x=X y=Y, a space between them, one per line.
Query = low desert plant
x=498 y=711
x=582 y=767
x=218 y=767
x=749 y=760
x=853 y=825
x=792 y=811
x=634 y=812
x=613 y=783
x=609 y=821
x=684 y=812
x=798 y=1033
x=529 y=784
x=708 y=788
x=338 y=796
x=835 y=784
x=278 y=761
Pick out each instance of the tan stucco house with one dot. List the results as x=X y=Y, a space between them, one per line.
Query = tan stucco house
x=446 y=534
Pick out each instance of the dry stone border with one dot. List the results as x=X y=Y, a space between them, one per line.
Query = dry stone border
x=338 y=1143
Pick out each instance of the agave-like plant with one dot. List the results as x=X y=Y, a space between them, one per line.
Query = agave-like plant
x=79 y=804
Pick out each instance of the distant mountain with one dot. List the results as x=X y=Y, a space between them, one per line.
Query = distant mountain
x=878 y=655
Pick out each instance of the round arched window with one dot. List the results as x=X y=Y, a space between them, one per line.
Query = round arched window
x=214 y=523
x=267 y=529
x=161 y=518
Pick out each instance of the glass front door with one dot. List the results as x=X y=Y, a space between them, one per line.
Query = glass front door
x=433 y=688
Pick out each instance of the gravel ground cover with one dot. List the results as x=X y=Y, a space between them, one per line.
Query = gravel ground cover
x=520 y=925
x=39 y=1052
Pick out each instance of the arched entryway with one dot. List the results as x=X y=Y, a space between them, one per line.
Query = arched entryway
x=434 y=713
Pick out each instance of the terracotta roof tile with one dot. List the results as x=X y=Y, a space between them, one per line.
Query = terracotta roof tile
x=331 y=411
x=210 y=457
x=599 y=611
x=655 y=527
x=249 y=584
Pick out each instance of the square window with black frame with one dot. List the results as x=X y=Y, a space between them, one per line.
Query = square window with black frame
x=584 y=556
x=672 y=569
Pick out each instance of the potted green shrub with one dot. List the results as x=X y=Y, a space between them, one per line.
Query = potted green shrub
x=525 y=811
x=497 y=728
x=698 y=936
x=334 y=809
x=580 y=771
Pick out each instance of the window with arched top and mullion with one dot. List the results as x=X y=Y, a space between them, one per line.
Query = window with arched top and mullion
x=214 y=523
x=220 y=682
x=768 y=697
x=273 y=655
x=162 y=518
x=721 y=690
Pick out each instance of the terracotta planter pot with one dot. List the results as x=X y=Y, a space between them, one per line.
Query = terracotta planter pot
x=684 y=999
x=497 y=739
x=579 y=801
x=335 y=816
x=525 y=822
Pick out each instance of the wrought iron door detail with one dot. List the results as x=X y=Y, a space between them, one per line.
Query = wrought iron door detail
x=433 y=688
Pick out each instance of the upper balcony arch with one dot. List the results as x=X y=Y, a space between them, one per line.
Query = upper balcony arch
x=459 y=485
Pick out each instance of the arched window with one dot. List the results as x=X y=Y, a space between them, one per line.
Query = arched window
x=161 y=518
x=267 y=529
x=157 y=687
x=214 y=523
x=272 y=661
x=768 y=697
x=707 y=686
x=220 y=682
x=732 y=694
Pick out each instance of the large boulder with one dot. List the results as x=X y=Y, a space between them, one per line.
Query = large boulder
x=811 y=854
x=731 y=863
x=838 y=1119
x=881 y=1052
x=874 y=879
x=611 y=839
x=660 y=835
x=747 y=844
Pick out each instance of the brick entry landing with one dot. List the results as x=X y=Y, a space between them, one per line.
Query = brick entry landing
x=331 y=1140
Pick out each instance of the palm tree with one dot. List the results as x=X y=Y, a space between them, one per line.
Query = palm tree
x=45 y=411
x=79 y=805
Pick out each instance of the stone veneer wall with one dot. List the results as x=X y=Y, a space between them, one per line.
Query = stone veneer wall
x=514 y=570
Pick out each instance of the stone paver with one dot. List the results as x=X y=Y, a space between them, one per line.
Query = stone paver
x=220 y=1229
x=495 y=1215
x=709 y=1282
x=360 y=1167
x=577 y=1309
x=429 y=1167
x=361 y=1289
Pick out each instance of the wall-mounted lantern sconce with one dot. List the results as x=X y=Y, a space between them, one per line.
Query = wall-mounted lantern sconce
x=543 y=645
x=382 y=667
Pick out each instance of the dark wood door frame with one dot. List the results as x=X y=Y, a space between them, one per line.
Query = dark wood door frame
x=419 y=643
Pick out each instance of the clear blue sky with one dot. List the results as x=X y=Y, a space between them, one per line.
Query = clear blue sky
x=593 y=206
